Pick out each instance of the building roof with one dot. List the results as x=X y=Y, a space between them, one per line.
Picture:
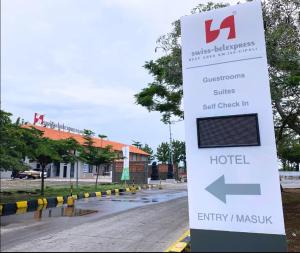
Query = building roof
x=58 y=135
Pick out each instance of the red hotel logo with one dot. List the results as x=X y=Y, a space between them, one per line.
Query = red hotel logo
x=38 y=118
x=212 y=35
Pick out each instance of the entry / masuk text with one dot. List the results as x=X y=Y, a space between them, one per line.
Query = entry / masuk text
x=236 y=218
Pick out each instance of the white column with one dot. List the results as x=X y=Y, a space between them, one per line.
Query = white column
x=75 y=170
x=80 y=169
x=61 y=170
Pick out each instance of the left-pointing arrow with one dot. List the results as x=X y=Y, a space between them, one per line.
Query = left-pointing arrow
x=220 y=190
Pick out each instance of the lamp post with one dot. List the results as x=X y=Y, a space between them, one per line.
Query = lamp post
x=170 y=174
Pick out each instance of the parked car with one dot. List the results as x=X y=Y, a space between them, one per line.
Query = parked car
x=32 y=174
x=183 y=177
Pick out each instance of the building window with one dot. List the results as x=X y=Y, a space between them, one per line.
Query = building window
x=90 y=168
x=72 y=170
x=85 y=168
x=57 y=169
x=134 y=157
x=65 y=171
x=38 y=166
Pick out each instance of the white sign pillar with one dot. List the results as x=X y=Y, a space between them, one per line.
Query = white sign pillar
x=126 y=155
x=233 y=180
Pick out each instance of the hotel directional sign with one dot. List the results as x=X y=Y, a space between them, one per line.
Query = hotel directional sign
x=220 y=190
x=233 y=180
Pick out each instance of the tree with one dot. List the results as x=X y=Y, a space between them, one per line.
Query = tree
x=163 y=152
x=165 y=93
x=41 y=149
x=12 y=147
x=18 y=142
x=96 y=156
x=104 y=155
x=148 y=150
x=281 y=20
x=178 y=153
x=289 y=151
x=137 y=144
x=290 y=155
x=89 y=151
x=69 y=150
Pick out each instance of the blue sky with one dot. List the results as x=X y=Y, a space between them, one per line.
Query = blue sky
x=80 y=63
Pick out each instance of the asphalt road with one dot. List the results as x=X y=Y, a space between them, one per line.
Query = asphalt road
x=151 y=220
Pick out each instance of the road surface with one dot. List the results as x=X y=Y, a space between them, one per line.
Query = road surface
x=148 y=221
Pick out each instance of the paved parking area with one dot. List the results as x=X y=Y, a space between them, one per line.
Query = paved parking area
x=148 y=221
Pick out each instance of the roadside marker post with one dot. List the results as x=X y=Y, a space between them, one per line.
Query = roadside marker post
x=38 y=205
x=71 y=189
x=60 y=199
x=133 y=189
x=160 y=186
x=22 y=204
x=233 y=181
x=70 y=202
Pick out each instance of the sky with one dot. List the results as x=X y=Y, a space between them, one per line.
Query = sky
x=81 y=62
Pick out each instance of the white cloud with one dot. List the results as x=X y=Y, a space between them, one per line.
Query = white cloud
x=86 y=91
x=80 y=62
x=72 y=91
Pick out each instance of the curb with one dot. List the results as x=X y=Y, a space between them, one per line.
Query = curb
x=20 y=207
x=151 y=186
x=182 y=244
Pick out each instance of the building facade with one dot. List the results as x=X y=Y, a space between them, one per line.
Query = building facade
x=80 y=169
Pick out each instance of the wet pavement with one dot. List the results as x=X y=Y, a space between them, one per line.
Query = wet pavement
x=30 y=225
x=102 y=205
x=44 y=214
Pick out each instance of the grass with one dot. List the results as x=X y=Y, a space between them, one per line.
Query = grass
x=291 y=207
x=290 y=197
x=53 y=191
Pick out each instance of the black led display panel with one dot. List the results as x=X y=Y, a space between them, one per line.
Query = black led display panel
x=228 y=131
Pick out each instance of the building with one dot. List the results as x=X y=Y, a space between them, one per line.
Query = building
x=85 y=171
